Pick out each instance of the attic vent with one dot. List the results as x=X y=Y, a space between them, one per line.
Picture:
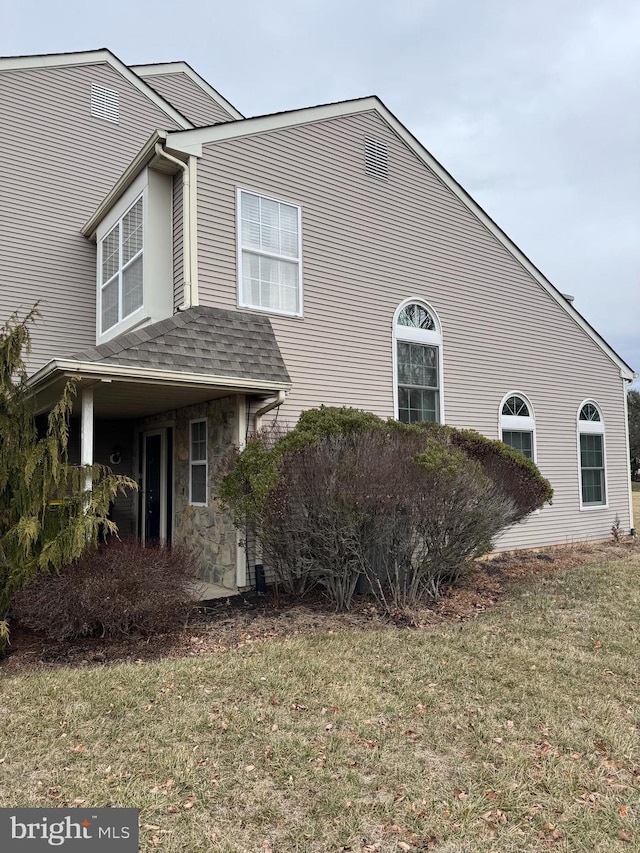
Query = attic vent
x=105 y=103
x=376 y=162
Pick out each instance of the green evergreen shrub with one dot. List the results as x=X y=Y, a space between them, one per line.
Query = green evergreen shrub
x=47 y=516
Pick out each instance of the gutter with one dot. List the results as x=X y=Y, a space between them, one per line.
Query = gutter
x=150 y=376
x=189 y=213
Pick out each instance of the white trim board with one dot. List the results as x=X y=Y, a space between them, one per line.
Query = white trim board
x=181 y=67
x=147 y=376
x=95 y=57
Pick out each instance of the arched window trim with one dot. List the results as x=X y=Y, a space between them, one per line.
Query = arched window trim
x=419 y=336
x=591 y=428
x=518 y=423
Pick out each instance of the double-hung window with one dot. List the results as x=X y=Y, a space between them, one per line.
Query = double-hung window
x=121 y=268
x=593 y=490
x=198 y=463
x=517 y=424
x=418 y=344
x=269 y=254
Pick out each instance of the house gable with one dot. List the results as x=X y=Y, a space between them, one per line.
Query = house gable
x=193 y=141
x=92 y=57
x=64 y=160
x=179 y=84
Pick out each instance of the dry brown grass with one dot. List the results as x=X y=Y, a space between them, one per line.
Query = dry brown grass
x=517 y=731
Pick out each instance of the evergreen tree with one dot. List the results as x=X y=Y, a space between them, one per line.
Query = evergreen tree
x=48 y=518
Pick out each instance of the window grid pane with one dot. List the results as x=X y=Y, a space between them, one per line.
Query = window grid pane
x=522 y=441
x=132 y=232
x=198 y=441
x=122 y=268
x=109 y=304
x=417 y=406
x=592 y=469
x=516 y=406
x=417 y=317
x=132 y=289
x=270 y=283
x=198 y=484
x=417 y=383
x=269 y=235
x=111 y=254
x=417 y=365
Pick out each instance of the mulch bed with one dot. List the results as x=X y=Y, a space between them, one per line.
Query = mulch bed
x=244 y=619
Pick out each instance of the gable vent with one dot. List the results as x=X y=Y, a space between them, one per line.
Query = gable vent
x=376 y=161
x=105 y=103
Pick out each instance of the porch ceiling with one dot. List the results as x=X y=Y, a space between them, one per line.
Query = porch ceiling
x=125 y=398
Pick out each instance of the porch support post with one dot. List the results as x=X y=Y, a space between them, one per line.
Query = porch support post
x=241 y=551
x=86 y=433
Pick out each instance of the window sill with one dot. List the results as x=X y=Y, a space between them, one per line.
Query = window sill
x=592 y=507
x=128 y=324
x=271 y=311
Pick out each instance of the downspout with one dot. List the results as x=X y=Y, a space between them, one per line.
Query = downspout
x=187 y=227
x=272 y=404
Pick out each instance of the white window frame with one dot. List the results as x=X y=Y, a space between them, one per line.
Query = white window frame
x=518 y=423
x=592 y=428
x=426 y=337
x=199 y=462
x=242 y=302
x=127 y=318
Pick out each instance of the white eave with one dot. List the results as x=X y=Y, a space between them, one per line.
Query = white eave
x=95 y=57
x=145 y=376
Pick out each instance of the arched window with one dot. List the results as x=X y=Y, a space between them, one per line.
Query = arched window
x=517 y=424
x=417 y=343
x=591 y=455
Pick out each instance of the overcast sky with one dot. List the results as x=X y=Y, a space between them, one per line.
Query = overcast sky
x=532 y=105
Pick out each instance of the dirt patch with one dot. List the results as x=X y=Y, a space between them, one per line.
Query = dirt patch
x=245 y=619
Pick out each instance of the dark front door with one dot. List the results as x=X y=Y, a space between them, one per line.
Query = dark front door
x=153 y=492
x=156 y=492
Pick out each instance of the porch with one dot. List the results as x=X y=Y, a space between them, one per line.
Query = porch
x=155 y=406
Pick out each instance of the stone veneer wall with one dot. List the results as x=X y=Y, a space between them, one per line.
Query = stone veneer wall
x=205 y=530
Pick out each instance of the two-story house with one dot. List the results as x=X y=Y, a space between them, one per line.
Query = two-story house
x=200 y=271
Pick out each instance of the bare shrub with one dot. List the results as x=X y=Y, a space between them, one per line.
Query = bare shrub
x=120 y=588
x=405 y=514
x=346 y=496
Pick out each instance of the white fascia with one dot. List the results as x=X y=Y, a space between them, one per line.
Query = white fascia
x=146 y=376
x=162 y=68
x=191 y=140
x=94 y=57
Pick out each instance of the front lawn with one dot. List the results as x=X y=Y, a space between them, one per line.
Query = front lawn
x=515 y=731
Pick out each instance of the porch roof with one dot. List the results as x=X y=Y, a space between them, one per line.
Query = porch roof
x=196 y=355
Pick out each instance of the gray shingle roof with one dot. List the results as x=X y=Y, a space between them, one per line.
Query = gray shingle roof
x=210 y=341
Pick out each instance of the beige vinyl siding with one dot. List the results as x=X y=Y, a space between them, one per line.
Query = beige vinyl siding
x=178 y=246
x=188 y=98
x=369 y=244
x=62 y=164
